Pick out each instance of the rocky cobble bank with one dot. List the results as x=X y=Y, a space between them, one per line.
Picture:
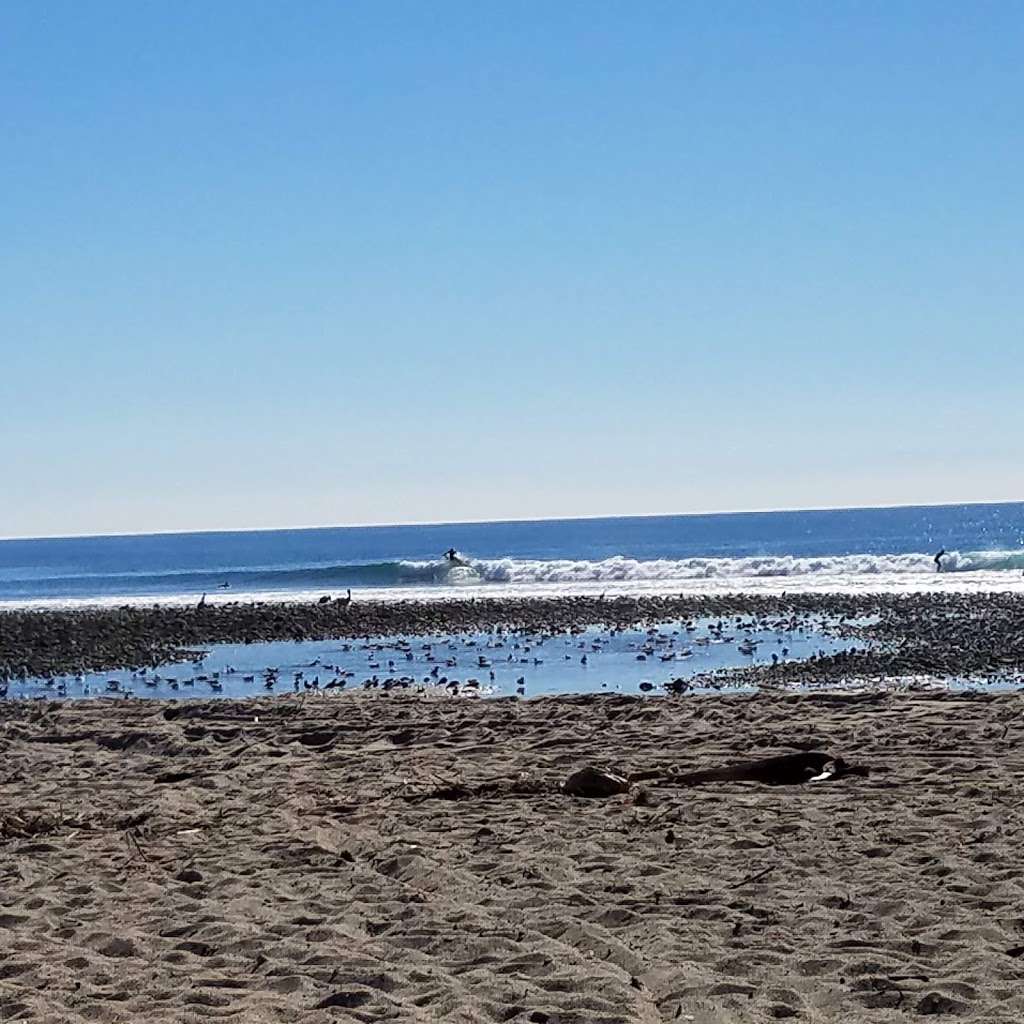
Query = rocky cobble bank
x=933 y=634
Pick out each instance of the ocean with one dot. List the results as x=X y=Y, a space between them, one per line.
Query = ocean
x=824 y=550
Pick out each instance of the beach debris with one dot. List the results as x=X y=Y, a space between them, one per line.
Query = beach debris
x=785 y=770
x=757 y=876
x=132 y=839
x=24 y=826
x=595 y=782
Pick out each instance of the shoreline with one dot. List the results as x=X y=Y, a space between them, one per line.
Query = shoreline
x=958 y=635
x=400 y=857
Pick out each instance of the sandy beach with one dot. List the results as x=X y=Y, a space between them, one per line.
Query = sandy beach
x=397 y=857
x=511 y=514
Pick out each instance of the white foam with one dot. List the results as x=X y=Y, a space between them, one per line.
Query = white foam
x=819 y=583
x=621 y=569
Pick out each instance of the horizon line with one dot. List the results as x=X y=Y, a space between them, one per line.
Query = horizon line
x=497 y=522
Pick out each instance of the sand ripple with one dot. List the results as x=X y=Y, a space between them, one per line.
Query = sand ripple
x=403 y=858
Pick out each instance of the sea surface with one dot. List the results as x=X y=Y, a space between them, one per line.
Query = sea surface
x=884 y=549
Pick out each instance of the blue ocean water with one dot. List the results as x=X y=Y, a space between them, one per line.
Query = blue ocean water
x=729 y=551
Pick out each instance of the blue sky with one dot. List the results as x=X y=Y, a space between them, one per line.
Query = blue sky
x=274 y=264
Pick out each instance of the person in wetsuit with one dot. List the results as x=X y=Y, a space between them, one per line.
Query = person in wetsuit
x=450 y=554
x=938 y=560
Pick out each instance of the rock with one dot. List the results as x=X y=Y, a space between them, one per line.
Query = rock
x=594 y=782
x=935 y=1003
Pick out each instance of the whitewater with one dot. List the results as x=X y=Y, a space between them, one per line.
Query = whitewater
x=962 y=572
x=621 y=569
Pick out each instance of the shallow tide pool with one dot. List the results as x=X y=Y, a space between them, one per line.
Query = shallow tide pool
x=594 y=660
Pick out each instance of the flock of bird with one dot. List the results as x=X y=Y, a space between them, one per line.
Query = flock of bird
x=463 y=664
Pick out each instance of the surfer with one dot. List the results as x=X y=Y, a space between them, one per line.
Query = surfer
x=451 y=554
x=938 y=560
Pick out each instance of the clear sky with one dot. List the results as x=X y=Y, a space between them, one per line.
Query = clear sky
x=270 y=264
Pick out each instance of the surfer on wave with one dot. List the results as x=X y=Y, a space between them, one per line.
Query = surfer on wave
x=456 y=560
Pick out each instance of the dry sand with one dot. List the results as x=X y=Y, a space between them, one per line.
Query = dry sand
x=406 y=858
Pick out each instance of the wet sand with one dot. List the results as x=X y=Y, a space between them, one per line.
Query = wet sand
x=394 y=857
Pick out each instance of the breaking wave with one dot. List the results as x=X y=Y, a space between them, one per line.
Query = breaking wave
x=509 y=572
x=620 y=569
